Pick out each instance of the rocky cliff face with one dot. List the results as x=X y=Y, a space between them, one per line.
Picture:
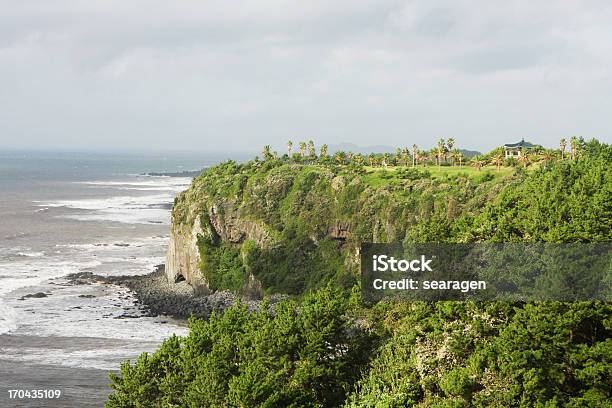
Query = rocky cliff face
x=220 y=220
x=183 y=257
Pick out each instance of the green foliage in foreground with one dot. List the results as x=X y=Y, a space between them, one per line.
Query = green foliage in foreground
x=453 y=354
x=444 y=354
x=299 y=356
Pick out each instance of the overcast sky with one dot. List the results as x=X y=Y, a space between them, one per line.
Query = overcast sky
x=198 y=75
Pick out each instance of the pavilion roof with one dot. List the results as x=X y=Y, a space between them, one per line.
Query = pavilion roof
x=522 y=143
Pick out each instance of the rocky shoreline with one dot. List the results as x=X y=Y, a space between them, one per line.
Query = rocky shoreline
x=178 y=300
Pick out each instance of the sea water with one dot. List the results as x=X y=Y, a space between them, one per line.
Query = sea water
x=64 y=213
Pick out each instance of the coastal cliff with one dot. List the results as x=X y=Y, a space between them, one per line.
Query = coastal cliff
x=285 y=228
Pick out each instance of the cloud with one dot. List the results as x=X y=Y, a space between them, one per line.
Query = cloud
x=195 y=74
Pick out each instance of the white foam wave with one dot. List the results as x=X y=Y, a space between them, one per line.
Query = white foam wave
x=148 y=209
x=31 y=254
x=174 y=184
x=36 y=272
x=125 y=208
x=27 y=274
x=8 y=318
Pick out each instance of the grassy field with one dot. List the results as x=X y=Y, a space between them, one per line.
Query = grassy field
x=450 y=170
x=379 y=176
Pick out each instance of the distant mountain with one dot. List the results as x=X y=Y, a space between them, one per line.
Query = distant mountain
x=470 y=153
x=350 y=147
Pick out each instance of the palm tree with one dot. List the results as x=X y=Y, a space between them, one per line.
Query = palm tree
x=359 y=159
x=423 y=155
x=289 y=148
x=477 y=162
x=450 y=143
x=548 y=157
x=523 y=158
x=302 y=148
x=311 y=149
x=406 y=155
x=371 y=159
x=433 y=155
x=574 y=147
x=398 y=156
x=386 y=159
x=562 y=145
x=349 y=157
x=498 y=161
x=340 y=156
x=457 y=157
x=324 y=151
x=415 y=150
x=441 y=148
x=267 y=154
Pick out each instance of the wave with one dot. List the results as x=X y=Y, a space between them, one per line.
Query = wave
x=8 y=318
x=124 y=208
x=147 y=209
x=31 y=254
x=174 y=184
x=27 y=274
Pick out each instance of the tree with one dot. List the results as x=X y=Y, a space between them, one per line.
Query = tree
x=340 y=157
x=302 y=354
x=434 y=156
x=372 y=159
x=478 y=162
x=324 y=151
x=547 y=157
x=457 y=157
x=386 y=159
x=359 y=159
x=441 y=151
x=406 y=155
x=311 y=149
x=523 y=158
x=398 y=156
x=415 y=150
x=267 y=152
x=289 y=148
x=302 y=148
x=450 y=143
x=574 y=147
x=498 y=161
x=562 y=144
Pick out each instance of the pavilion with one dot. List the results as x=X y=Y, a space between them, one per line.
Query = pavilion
x=515 y=149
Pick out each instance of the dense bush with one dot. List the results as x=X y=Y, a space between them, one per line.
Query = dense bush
x=570 y=201
x=300 y=355
x=493 y=354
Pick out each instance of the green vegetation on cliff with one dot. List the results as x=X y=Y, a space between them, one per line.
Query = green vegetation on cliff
x=294 y=227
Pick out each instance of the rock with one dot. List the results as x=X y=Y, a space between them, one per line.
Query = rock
x=34 y=295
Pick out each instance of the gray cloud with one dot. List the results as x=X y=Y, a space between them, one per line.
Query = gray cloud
x=202 y=75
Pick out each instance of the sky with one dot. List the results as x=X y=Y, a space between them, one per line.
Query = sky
x=204 y=76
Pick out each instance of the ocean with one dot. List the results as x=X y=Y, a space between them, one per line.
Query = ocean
x=64 y=213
